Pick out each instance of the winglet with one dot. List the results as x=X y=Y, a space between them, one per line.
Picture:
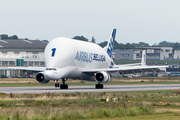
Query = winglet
x=143 y=59
x=110 y=46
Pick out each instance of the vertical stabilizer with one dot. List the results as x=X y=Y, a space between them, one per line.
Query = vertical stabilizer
x=143 y=60
x=110 y=46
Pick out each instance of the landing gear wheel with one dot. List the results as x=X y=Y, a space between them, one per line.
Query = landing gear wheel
x=99 y=86
x=65 y=86
x=56 y=84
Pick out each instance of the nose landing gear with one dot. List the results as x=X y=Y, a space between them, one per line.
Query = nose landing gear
x=57 y=83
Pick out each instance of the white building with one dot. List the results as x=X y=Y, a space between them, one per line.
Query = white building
x=176 y=54
x=166 y=53
x=31 y=51
x=152 y=53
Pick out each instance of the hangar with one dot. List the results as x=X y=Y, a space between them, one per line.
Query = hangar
x=20 y=53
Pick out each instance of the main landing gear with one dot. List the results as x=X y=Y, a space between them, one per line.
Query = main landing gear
x=99 y=86
x=62 y=86
x=65 y=86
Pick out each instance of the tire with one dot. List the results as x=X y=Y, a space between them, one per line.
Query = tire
x=99 y=86
x=55 y=84
x=63 y=86
x=66 y=86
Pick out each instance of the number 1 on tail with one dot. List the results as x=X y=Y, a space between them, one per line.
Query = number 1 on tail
x=53 y=52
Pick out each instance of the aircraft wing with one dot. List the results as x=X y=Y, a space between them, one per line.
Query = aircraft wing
x=28 y=68
x=126 y=70
x=125 y=65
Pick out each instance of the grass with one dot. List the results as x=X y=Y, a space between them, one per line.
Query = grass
x=70 y=106
x=49 y=114
x=148 y=91
x=165 y=116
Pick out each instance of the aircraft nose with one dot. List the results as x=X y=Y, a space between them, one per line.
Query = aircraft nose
x=48 y=75
x=51 y=74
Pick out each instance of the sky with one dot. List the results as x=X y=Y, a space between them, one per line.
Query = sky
x=150 y=21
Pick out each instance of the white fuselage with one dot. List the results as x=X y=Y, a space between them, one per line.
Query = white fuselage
x=69 y=57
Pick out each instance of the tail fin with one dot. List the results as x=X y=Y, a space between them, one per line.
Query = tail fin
x=110 y=46
x=143 y=59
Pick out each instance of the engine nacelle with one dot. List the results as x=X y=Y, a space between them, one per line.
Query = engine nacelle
x=40 y=78
x=102 y=77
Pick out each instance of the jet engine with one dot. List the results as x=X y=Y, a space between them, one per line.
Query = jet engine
x=102 y=77
x=41 y=78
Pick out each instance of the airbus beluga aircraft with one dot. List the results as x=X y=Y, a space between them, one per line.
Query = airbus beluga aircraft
x=74 y=59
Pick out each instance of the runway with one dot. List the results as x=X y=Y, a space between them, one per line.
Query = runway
x=107 y=88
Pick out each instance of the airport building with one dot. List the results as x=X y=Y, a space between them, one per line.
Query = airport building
x=152 y=53
x=177 y=54
x=20 y=53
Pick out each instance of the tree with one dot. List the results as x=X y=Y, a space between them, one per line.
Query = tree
x=176 y=46
x=103 y=44
x=163 y=44
x=116 y=44
x=166 y=44
x=4 y=37
x=93 y=40
x=80 y=38
x=143 y=44
x=128 y=45
x=14 y=37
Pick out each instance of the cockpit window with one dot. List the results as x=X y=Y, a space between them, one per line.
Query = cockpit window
x=52 y=69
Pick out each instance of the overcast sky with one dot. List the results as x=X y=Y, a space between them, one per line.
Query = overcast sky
x=150 y=21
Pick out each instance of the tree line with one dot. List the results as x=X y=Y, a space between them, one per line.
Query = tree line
x=6 y=37
x=15 y=37
x=117 y=45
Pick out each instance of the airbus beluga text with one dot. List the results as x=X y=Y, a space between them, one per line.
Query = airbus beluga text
x=68 y=58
